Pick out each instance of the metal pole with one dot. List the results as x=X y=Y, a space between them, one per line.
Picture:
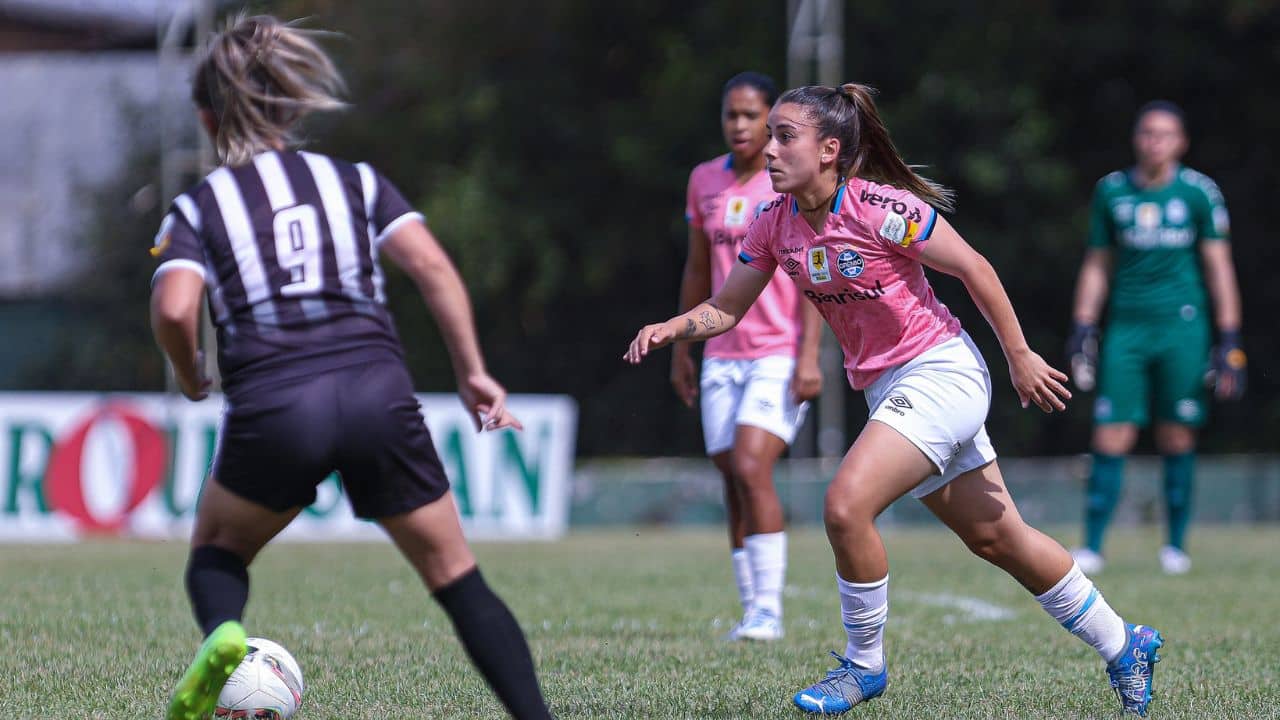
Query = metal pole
x=185 y=150
x=206 y=159
x=167 y=33
x=815 y=52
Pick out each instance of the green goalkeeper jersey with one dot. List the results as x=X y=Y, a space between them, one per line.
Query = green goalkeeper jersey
x=1155 y=235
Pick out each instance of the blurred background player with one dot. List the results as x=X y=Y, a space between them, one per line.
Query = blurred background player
x=1158 y=238
x=757 y=378
x=287 y=245
x=862 y=225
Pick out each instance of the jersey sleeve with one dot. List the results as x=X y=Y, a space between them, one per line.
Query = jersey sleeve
x=177 y=243
x=1212 y=220
x=1101 y=224
x=898 y=218
x=691 y=214
x=757 y=246
x=385 y=206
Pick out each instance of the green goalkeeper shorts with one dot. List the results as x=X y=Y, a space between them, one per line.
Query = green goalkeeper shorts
x=1158 y=364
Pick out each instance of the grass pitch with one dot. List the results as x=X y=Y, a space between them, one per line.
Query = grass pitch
x=625 y=624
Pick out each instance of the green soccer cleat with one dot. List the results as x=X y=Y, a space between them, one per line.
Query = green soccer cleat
x=197 y=692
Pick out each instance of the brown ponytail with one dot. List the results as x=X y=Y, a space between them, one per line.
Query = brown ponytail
x=259 y=77
x=848 y=113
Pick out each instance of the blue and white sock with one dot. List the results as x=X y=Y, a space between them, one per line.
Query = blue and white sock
x=864 y=610
x=1080 y=608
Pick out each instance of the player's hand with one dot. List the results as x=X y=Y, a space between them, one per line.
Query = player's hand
x=1037 y=382
x=650 y=337
x=195 y=383
x=684 y=376
x=486 y=401
x=1082 y=356
x=806 y=380
x=1229 y=374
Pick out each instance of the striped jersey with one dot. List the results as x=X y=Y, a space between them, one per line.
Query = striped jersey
x=288 y=248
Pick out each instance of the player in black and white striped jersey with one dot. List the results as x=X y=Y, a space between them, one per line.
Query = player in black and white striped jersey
x=288 y=245
x=285 y=244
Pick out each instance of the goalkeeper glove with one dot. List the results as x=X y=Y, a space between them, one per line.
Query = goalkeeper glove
x=1082 y=355
x=1228 y=374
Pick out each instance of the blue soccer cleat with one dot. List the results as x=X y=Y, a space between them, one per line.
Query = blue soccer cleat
x=1131 y=672
x=843 y=688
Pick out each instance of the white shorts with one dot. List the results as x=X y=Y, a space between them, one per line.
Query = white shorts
x=939 y=401
x=748 y=392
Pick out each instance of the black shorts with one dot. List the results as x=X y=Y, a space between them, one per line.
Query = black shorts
x=279 y=441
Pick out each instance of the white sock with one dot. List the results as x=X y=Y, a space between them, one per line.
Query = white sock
x=864 y=610
x=742 y=573
x=1078 y=606
x=768 y=555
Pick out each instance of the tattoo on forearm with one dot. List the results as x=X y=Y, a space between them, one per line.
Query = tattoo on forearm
x=720 y=321
x=689 y=329
x=708 y=322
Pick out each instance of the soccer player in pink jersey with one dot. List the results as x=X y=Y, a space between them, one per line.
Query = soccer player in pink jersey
x=757 y=378
x=855 y=228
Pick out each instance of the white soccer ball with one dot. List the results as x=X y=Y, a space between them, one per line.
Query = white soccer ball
x=266 y=686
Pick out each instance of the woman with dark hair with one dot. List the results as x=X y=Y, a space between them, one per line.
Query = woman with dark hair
x=859 y=225
x=756 y=379
x=286 y=245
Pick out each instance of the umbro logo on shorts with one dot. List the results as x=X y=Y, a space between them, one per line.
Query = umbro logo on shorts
x=896 y=404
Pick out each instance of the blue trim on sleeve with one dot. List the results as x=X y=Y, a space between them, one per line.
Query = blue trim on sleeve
x=928 y=229
x=745 y=258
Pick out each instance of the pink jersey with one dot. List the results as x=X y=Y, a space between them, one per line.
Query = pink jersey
x=724 y=209
x=862 y=271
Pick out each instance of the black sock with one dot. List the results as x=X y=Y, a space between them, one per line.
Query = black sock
x=218 y=585
x=495 y=643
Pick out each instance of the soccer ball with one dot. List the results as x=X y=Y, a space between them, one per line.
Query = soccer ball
x=266 y=686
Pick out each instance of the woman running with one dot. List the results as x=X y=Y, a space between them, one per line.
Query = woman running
x=855 y=228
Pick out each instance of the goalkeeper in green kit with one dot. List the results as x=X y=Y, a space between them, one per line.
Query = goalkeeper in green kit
x=1158 y=246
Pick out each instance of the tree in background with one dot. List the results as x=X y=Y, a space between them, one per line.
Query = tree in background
x=549 y=144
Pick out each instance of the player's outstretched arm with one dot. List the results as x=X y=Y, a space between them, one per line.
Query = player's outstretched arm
x=175 y=317
x=709 y=318
x=415 y=250
x=1032 y=377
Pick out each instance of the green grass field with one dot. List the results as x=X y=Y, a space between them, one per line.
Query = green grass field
x=625 y=624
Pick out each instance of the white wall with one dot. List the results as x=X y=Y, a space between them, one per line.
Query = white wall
x=65 y=126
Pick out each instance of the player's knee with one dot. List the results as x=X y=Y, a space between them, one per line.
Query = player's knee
x=993 y=545
x=1175 y=440
x=226 y=542
x=751 y=472
x=843 y=514
x=1114 y=439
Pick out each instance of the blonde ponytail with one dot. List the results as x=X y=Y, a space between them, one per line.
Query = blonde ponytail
x=259 y=77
